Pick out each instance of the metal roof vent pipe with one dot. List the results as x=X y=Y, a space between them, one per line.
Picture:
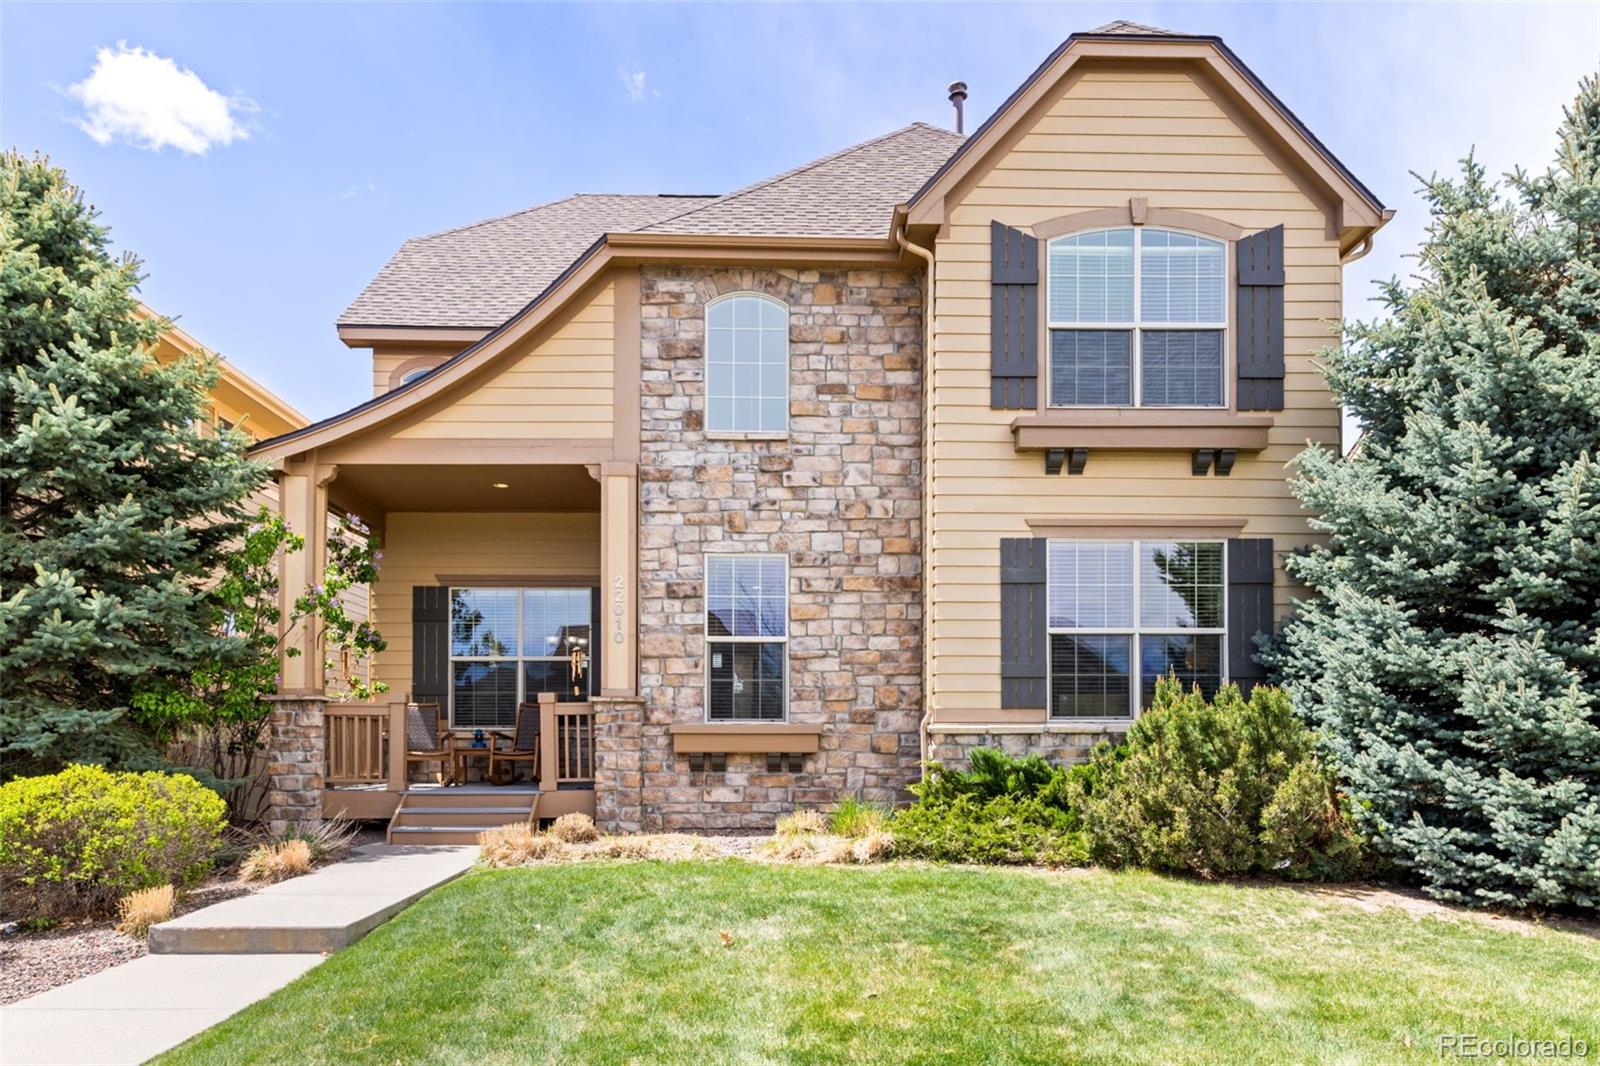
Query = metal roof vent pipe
x=958 y=96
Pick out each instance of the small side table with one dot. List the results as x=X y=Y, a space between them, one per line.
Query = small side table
x=463 y=756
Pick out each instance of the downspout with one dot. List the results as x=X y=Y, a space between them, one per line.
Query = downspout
x=927 y=464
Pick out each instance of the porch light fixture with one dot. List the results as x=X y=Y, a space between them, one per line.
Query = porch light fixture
x=498 y=485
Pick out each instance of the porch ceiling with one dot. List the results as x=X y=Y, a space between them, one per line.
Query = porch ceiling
x=470 y=488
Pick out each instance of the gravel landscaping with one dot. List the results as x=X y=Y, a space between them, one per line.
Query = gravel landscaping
x=37 y=961
x=34 y=961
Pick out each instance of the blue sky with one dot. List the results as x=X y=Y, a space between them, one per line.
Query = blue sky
x=337 y=131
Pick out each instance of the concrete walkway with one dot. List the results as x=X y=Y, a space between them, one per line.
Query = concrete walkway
x=324 y=911
x=216 y=961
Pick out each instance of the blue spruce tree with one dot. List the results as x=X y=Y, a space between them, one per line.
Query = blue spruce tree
x=1452 y=655
x=116 y=508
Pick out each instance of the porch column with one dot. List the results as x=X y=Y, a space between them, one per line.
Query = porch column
x=619 y=578
x=619 y=713
x=303 y=503
x=296 y=741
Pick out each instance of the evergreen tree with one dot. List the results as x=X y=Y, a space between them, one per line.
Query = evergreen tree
x=1453 y=654
x=116 y=506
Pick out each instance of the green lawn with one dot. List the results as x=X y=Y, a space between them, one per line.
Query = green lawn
x=626 y=962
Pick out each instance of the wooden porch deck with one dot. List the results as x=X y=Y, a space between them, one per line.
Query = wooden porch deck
x=365 y=775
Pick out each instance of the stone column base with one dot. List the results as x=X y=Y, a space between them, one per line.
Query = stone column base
x=618 y=764
x=295 y=761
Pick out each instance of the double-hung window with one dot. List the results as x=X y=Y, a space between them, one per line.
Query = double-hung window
x=1123 y=614
x=747 y=365
x=507 y=645
x=1137 y=318
x=747 y=637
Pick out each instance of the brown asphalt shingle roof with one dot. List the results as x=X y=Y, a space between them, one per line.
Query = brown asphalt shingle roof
x=479 y=275
x=851 y=193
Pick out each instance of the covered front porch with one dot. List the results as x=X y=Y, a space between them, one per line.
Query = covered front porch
x=505 y=594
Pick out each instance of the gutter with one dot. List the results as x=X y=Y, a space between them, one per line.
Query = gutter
x=929 y=303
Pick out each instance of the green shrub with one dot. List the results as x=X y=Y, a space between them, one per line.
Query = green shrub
x=1228 y=787
x=1000 y=809
x=77 y=841
x=1004 y=829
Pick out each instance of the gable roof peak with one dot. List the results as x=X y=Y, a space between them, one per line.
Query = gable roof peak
x=1124 y=28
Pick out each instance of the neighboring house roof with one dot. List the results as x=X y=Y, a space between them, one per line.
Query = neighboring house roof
x=477 y=276
x=237 y=398
x=1124 y=28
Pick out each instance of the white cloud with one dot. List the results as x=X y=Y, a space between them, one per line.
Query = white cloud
x=151 y=102
x=633 y=86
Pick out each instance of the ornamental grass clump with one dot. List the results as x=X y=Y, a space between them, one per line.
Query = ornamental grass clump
x=277 y=861
x=855 y=817
x=801 y=823
x=75 y=842
x=574 y=828
x=518 y=844
x=138 y=911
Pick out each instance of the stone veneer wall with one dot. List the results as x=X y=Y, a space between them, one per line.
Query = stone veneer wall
x=952 y=749
x=839 y=496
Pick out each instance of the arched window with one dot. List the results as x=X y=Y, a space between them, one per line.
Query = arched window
x=1138 y=317
x=416 y=375
x=747 y=365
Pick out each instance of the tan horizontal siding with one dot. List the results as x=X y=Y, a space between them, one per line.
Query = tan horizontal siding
x=421 y=547
x=1113 y=135
x=561 y=388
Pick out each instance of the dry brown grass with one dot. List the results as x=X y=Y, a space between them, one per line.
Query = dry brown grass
x=874 y=847
x=825 y=849
x=138 y=911
x=276 y=862
x=521 y=845
x=801 y=823
x=518 y=845
x=574 y=828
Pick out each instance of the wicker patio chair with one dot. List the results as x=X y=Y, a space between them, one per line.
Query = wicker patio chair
x=428 y=739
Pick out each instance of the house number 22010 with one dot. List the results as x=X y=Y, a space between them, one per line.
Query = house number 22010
x=619 y=601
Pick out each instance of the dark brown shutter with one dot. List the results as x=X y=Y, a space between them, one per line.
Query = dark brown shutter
x=430 y=644
x=1024 y=623
x=1260 y=320
x=1013 y=318
x=1249 y=607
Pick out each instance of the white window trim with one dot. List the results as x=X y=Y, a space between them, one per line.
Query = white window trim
x=708 y=639
x=522 y=645
x=724 y=432
x=1134 y=632
x=1138 y=328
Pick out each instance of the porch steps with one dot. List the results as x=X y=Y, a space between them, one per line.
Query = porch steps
x=457 y=816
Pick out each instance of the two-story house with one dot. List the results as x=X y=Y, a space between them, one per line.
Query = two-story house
x=939 y=441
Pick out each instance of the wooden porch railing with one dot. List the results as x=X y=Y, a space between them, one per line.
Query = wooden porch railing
x=355 y=735
x=566 y=755
x=362 y=749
